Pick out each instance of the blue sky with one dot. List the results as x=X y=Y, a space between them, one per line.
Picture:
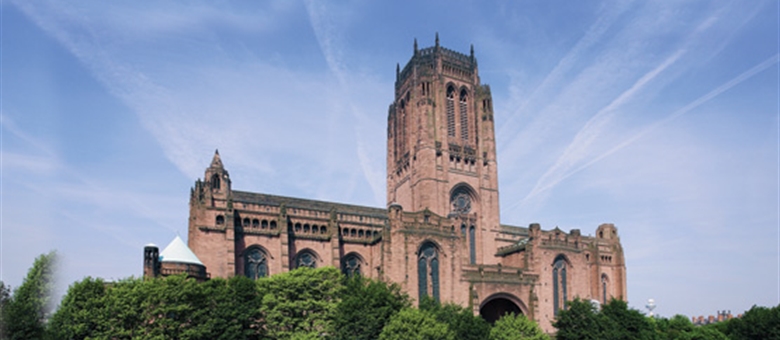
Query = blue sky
x=660 y=117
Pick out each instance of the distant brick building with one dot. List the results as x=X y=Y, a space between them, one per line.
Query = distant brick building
x=440 y=234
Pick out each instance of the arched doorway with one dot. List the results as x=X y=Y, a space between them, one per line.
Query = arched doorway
x=497 y=305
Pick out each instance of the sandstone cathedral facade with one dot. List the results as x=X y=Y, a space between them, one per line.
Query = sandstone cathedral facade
x=440 y=234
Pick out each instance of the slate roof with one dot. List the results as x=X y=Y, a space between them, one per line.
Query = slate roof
x=292 y=202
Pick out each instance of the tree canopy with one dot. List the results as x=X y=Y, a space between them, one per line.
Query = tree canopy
x=26 y=310
x=516 y=327
x=462 y=321
x=365 y=308
x=313 y=304
x=415 y=324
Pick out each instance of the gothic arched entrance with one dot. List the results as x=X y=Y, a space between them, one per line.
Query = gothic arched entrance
x=497 y=305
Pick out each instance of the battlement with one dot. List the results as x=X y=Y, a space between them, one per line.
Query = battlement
x=427 y=58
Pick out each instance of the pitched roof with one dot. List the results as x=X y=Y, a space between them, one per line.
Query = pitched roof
x=293 y=202
x=177 y=251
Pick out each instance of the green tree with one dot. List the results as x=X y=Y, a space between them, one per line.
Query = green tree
x=121 y=314
x=672 y=328
x=706 y=333
x=415 y=324
x=461 y=321
x=516 y=327
x=78 y=316
x=31 y=302
x=366 y=306
x=235 y=309
x=581 y=320
x=175 y=307
x=301 y=303
x=5 y=297
x=756 y=323
x=626 y=323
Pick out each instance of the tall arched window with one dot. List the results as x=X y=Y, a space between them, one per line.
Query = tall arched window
x=464 y=116
x=255 y=263
x=403 y=126
x=428 y=266
x=306 y=258
x=351 y=265
x=559 y=284
x=604 y=283
x=472 y=245
x=450 y=111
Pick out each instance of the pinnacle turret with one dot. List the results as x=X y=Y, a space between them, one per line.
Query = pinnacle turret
x=216 y=162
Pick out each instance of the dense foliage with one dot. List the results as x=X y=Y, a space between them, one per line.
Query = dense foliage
x=416 y=324
x=5 y=297
x=756 y=323
x=366 y=306
x=462 y=321
x=24 y=313
x=301 y=303
x=582 y=320
x=516 y=327
x=313 y=304
x=173 y=308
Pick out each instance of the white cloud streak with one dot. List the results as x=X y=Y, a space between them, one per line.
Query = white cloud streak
x=592 y=36
x=331 y=44
x=580 y=146
x=566 y=168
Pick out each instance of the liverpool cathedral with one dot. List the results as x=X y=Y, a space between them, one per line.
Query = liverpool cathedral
x=440 y=234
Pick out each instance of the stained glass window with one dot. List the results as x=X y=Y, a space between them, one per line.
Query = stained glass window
x=305 y=259
x=351 y=265
x=428 y=266
x=255 y=264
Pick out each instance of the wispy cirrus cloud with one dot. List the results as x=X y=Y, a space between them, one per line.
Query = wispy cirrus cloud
x=581 y=147
x=551 y=81
x=605 y=70
x=329 y=25
x=194 y=97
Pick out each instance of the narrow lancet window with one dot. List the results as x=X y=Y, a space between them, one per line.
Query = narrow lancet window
x=472 y=245
x=451 y=111
x=428 y=266
x=559 y=284
x=464 y=116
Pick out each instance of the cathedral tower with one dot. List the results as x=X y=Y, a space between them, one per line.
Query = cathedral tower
x=441 y=152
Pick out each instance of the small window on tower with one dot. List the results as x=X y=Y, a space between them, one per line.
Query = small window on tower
x=450 y=111
x=215 y=182
x=464 y=117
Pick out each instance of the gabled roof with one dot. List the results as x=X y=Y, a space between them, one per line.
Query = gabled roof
x=177 y=251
